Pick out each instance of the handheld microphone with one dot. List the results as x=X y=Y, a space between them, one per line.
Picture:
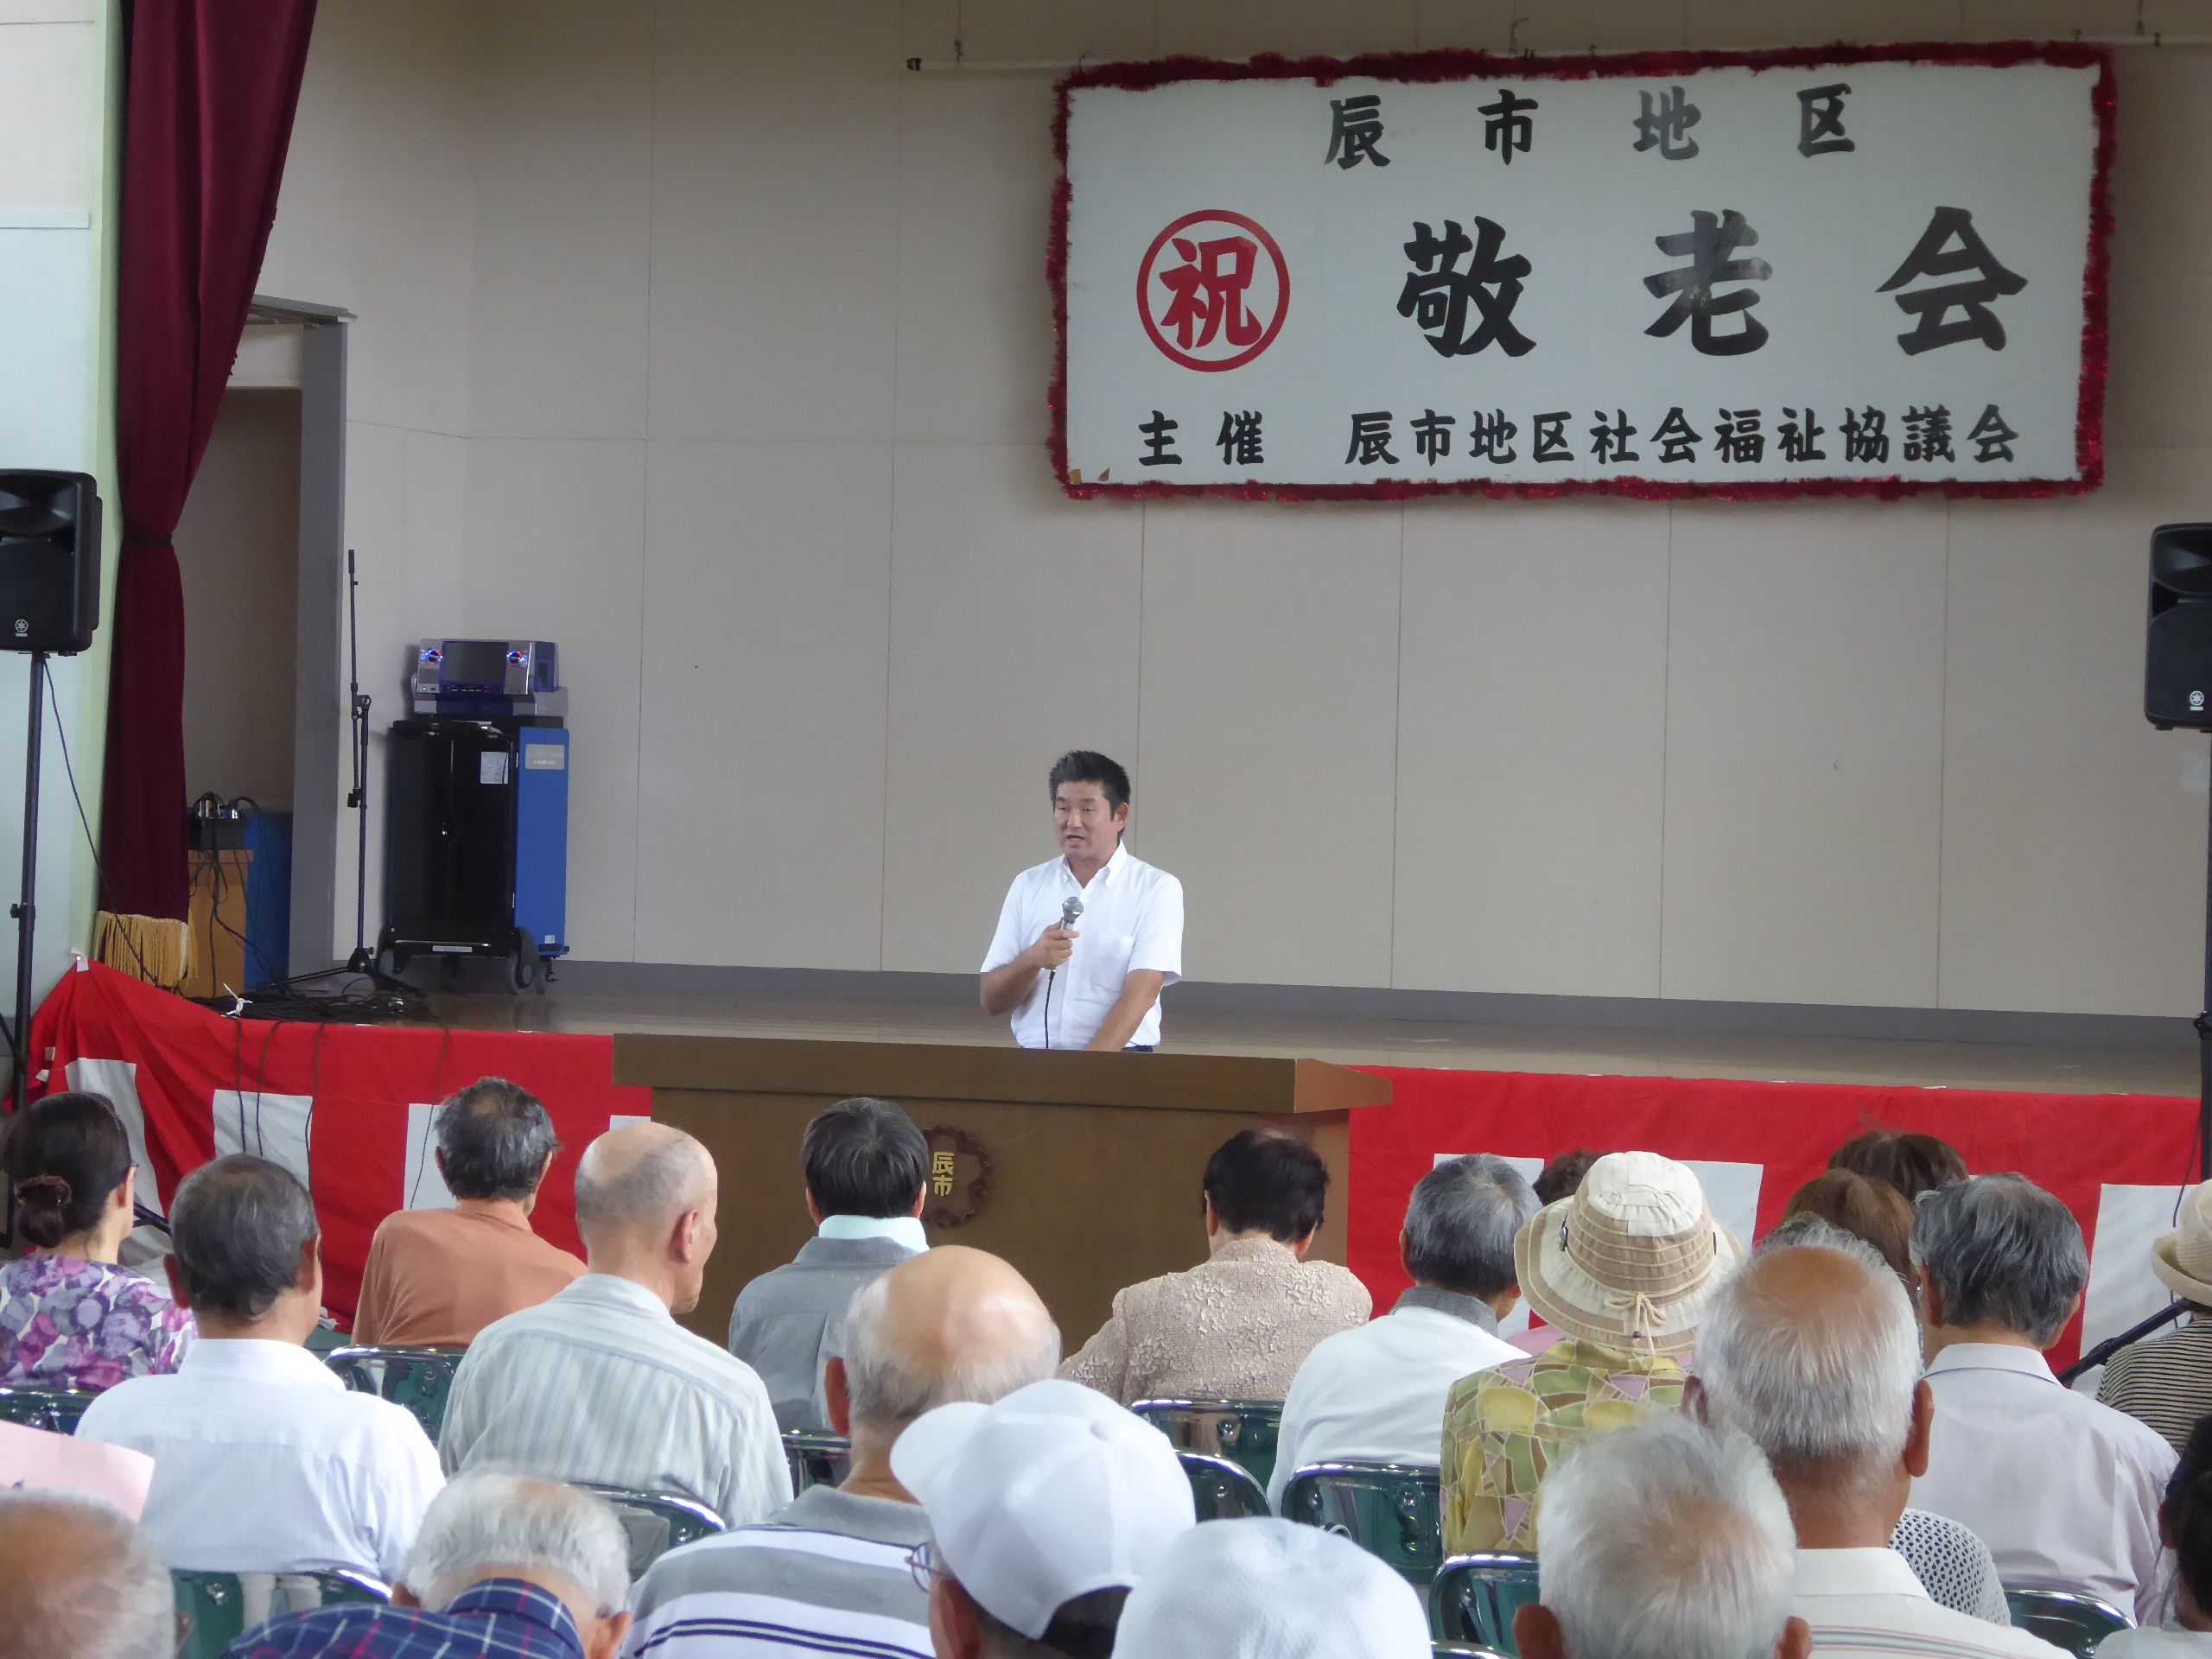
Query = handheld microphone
x=1070 y=910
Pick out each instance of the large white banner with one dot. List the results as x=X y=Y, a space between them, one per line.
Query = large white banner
x=1694 y=274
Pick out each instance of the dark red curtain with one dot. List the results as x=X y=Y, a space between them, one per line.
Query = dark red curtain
x=210 y=88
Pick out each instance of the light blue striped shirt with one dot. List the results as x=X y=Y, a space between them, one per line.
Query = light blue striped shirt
x=601 y=1385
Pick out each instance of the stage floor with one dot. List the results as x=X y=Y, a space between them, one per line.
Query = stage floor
x=1362 y=1041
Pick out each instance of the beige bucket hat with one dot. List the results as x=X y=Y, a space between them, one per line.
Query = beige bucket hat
x=1630 y=1259
x=2183 y=1258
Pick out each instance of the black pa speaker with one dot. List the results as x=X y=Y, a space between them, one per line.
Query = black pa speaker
x=49 y=562
x=2177 y=655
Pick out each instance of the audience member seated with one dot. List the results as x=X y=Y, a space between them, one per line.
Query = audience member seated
x=1913 y=1164
x=1266 y=1589
x=1874 y=1213
x=829 y=1572
x=1559 y=1178
x=868 y=1173
x=1669 y=1541
x=1377 y=1393
x=70 y=1316
x=1621 y=1270
x=1238 y=1326
x=1046 y=1510
x=435 y=1278
x=2185 y=1523
x=2062 y=1490
x=506 y=1566
x=2165 y=1381
x=79 y=1581
x=601 y=1385
x=263 y=1461
x=1812 y=1352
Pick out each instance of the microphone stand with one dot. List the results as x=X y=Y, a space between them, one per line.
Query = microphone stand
x=2111 y=1345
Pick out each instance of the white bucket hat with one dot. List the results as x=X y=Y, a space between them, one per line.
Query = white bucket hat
x=1630 y=1259
x=2183 y=1258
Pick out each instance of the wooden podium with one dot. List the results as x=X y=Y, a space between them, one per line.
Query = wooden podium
x=1091 y=1162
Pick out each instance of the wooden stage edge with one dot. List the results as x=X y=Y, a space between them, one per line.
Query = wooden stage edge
x=2053 y=1068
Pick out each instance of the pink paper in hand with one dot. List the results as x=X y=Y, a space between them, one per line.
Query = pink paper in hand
x=33 y=1460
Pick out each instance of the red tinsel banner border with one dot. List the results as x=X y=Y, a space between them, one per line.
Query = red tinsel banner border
x=1457 y=65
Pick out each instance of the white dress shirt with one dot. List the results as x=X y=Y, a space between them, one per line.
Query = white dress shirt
x=601 y=1385
x=2156 y=1644
x=264 y=1462
x=2062 y=1490
x=1866 y=1602
x=1375 y=1393
x=1132 y=919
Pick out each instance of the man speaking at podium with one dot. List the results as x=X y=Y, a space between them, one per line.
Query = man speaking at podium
x=1088 y=942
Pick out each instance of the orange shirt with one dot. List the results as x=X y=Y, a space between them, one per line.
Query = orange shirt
x=436 y=1277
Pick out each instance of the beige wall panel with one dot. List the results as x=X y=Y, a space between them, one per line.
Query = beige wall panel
x=555 y=533
x=1804 y=735
x=49 y=90
x=1238 y=28
x=1531 y=740
x=238 y=549
x=2072 y=836
x=761 y=753
x=1013 y=639
x=974 y=326
x=563 y=154
x=1817 y=22
x=775 y=191
x=1022 y=30
x=434 y=550
x=1265 y=764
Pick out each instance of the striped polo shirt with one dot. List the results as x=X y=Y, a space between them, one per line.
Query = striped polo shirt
x=2166 y=1382
x=827 y=1574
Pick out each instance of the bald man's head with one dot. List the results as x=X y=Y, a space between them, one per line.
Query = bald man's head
x=80 y=1580
x=1812 y=1349
x=639 y=1180
x=949 y=1324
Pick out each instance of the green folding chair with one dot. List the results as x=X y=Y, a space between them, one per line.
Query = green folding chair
x=216 y=1609
x=816 y=1460
x=55 y=1410
x=656 y=1522
x=1222 y=1491
x=2065 y=1618
x=1243 y=1431
x=1392 y=1510
x=1475 y=1596
x=417 y=1378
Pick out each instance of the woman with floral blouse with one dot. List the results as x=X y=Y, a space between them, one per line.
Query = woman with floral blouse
x=71 y=1317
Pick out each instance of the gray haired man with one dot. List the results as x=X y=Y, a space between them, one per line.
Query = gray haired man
x=1665 y=1541
x=1813 y=1353
x=263 y=1461
x=2064 y=1491
x=435 y=1277
x=1377 y=1393
x=504 y=1565
x=866 y=1168
x=830 y=1571
x=80 y=1580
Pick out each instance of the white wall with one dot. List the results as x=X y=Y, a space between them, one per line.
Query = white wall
x=56 y=412
x=703 y=337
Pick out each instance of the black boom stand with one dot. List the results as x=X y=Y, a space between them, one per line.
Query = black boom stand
x=25 y=909
x=2204 y=1020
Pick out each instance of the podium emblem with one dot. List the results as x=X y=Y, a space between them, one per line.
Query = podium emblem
x=959 y=1179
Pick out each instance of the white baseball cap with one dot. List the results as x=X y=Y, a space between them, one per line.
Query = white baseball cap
x=1051 y=1493
x=1268 y=1589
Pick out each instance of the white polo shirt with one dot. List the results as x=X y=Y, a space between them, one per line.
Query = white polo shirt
x=264 y=1462
x=1867 y=1604
x=1132 y=919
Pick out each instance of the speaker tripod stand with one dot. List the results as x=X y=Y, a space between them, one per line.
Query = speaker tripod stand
x=25 y=909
